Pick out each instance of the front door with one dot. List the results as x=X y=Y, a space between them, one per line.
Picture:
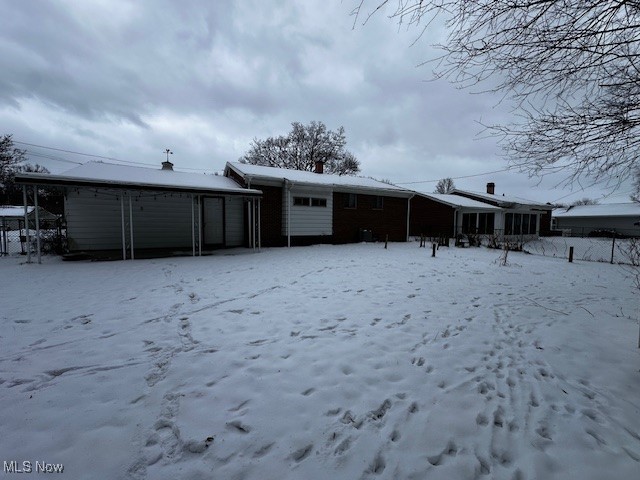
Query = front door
x=212 y=221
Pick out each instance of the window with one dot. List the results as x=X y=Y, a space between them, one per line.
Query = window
x=351 y=200
x=485 y=223
x=309 y=202
x=508 y=224
x=469 y=222
x=520 y=223
x=378 y=203
x=301 y=201
x=533 y=223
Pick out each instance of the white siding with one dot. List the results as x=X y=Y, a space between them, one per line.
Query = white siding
x=94 y=220
x=308 y=221
x=212 y=220
x=234 y=222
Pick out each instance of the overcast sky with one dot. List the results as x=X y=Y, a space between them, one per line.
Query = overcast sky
x=127 y=79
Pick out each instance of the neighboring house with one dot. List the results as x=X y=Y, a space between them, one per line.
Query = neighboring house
x=301 y=208
x=518 y=217
x=586 y=220
x=435 y=214
x=122 y=210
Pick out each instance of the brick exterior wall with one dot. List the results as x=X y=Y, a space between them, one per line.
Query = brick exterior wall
x=347 y=222
x=430 y=218
x=271 y=213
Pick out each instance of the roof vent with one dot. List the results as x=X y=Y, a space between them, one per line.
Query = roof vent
x=491 y=188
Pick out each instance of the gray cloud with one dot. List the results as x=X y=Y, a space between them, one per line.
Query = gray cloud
x=129 y=78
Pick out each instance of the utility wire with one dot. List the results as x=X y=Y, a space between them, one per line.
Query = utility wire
x=96 y=156
x=455 y=178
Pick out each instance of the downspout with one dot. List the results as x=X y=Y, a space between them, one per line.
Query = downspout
x=409 y=213
x=455 y=221
x=287 y=186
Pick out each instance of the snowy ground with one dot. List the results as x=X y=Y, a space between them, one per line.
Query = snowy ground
x=322 y=363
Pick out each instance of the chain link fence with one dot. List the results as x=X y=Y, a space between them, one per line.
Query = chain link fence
x=14 y=239
x=619 y=246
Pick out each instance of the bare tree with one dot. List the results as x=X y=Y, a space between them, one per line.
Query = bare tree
x=303 y=146
x=444 y=185
x=585 y=201
x=11 y=159
x=572 y=69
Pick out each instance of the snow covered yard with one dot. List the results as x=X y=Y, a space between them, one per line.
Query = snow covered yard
x=326 y=362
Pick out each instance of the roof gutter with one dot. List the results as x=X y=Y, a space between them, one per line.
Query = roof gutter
x=62 y=181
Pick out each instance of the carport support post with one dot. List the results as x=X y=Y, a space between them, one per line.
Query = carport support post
x=259 y=226
x=131 y=226
x=3 y=238
x=124 y=232
x=193 y=226
x=26 y=223
x=253 y=222
x=35 y=203
x=199 y=225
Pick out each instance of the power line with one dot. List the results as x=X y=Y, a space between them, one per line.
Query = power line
x=113 y=159
x=50 y=157
x=455 y=178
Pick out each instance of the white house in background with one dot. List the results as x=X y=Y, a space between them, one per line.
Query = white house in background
x=583 y=220
x=518 y=216
x=122 y=210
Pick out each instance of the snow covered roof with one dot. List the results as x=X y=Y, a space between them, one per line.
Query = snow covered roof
x=458 y=201
x=102 y=174
x=314 y=179
x=501 y=200
x=14 y=211
x=628 y=209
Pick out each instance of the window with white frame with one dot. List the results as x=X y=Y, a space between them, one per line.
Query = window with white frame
x=309 y=202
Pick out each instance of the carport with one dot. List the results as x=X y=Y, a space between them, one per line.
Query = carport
x=139 y=211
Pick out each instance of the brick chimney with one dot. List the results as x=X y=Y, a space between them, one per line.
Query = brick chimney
x=318 y=167
x=167 y=165
x=491 y=188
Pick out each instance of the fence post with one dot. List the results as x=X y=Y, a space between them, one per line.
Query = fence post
x=613 y=245
x=433 y=253
x=570 y=254
x=386 y=240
